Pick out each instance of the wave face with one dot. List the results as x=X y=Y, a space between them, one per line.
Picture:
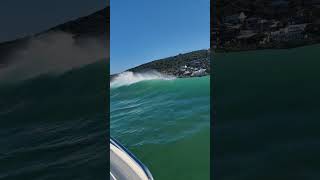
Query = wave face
x=164 y=122
x=128 y=78
x=55 y=127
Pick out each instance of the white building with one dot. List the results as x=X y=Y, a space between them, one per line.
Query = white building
x=289 y=33
x=200 y=72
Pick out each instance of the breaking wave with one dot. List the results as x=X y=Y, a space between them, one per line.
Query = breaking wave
x=53 y=53
x=127 y=78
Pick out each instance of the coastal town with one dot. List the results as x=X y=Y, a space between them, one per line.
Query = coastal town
x=276 y=24
x=194 y=68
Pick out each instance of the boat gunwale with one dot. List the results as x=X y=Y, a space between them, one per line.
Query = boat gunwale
x=142 y=166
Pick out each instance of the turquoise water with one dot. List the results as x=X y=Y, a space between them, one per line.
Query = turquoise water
x=268 y=111
x=165 y=123
x=55 y=127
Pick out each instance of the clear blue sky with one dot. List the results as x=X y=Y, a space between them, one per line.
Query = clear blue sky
x=145 y=30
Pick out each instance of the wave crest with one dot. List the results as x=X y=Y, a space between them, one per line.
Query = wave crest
x=127 y=78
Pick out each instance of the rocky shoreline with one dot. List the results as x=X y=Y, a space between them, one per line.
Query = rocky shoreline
x=270 y=46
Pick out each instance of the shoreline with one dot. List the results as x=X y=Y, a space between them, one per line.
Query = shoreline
x=221 y=51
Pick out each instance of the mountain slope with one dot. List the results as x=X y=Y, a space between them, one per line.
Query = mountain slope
x=95 y=25
x=194 y=60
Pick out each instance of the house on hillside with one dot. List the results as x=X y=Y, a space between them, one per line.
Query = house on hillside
x=275 y=25
x=235 y=18
x=289 y=33
x=249 y=38
x=229 y=32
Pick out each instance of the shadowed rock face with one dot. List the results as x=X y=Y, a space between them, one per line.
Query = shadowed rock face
x=94 y=26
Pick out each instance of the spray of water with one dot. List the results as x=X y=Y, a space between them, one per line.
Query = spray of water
x=127 y=78
x=51 y=53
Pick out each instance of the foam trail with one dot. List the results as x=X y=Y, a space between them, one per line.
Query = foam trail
x=127 y=78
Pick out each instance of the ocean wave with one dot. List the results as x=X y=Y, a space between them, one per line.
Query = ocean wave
x=53 y=53
x=127 y=78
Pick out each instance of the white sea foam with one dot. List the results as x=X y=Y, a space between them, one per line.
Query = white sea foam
x=127 y=78
x=51 y=53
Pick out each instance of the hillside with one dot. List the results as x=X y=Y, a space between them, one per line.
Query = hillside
x=196 y=63
x=95 y=25
x=240 y=25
